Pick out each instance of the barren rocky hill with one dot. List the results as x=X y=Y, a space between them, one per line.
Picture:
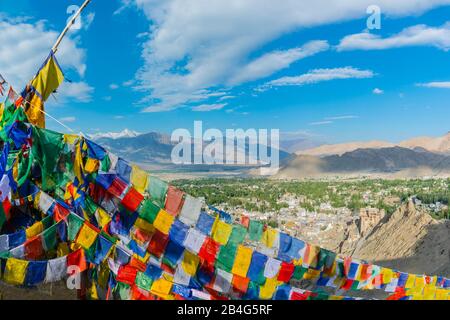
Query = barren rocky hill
x=433 y=144
x=408 y=240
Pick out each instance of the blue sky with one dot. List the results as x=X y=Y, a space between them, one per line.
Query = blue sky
x=308 y=69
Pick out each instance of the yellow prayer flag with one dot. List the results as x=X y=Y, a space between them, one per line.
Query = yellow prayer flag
x=78 y=163
x=417 y=297
x=102 y=217
x=86 y=236
x=311 y=274
x=2 y=108
x=143 y=259
x=410 y=281
x=190 y=263
x=144 y=225
x=62 y=250
x=268 y=289
x=420 y=282
x=70 y=138
x=93 y=294
x=242 y=261
x=139 y=179
x=91 y=165
x=163 y=221
x=161 y=287
x=47 y=80
x=442 y=294
x=222 y=232
x=15 y=271
x=34 y=230
x=269 y=236
x=387 y=275
x=312 y=256
x=429 y=292
x=103 y=274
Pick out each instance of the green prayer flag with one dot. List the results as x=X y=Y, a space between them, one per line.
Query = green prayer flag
x=123 y=290
x=75 y=224
x=105 y=164
x=90 y=206
x=237 y=235
x=225 y=259
x=143 y=281
x=255 y=230
x=148 y=211
x=157 y=190
x=299 y=272
x=49 y=238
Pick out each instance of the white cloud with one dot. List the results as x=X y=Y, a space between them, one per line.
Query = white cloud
x=204 y=44
x=113 y=86
x=226 y=98
x=68 y=119
x=319 y=75
x=209 y=107
x=420 y=35
x=320 y=123
x=275 y=61
x=342 y=117
x=439 y=85
x=25 y=47
x=76 y=91
x=118 y=117
x=377 y=91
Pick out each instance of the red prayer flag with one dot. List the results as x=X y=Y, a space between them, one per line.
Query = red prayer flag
x=77 y=258
x=299 y=296
x=174 y=201
x=138 y=264
x=117 y=187
x=33 y=248
x=209 y=250
x=158 y=243
x=286 y=271
x=347 y=285
x=240 y=284
x=132 y=200
x=127 y=274
x=245 y=221
x=60 y=213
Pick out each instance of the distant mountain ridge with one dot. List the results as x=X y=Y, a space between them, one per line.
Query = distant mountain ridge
x=432 y=144
x=392 y=160
x=150 y=148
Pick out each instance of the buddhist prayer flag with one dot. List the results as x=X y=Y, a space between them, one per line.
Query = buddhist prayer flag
x=222 y=232
x=191 y=210
x=174 y=200
x=163 y=221
x=15 y=271
x=242 y=261
x=139 y=179
x=46 y=81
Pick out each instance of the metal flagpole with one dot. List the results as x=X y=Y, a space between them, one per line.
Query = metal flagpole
x=69 y=25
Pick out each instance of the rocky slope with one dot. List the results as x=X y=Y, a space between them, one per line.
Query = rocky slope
x=432 y=144
x=408 y=240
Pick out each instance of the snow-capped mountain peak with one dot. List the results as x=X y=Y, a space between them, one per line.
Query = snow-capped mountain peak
x=115 y=135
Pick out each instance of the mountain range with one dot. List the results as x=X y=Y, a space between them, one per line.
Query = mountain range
x=156 y=148
x=395 y=161
x=423 y=156
x=432 y=144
